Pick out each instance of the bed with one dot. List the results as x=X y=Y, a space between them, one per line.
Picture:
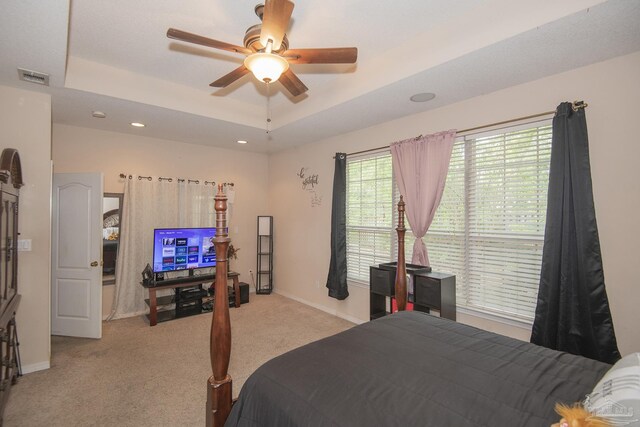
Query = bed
x=410 y=368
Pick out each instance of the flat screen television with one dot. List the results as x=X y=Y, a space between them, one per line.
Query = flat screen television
x=177 y=249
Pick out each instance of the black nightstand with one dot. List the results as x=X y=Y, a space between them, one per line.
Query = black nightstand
x=435 y=291
x=382 y=286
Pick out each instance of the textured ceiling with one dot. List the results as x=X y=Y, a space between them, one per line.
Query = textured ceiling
x=115 y=57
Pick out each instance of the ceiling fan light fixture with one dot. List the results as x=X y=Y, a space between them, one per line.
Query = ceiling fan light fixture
x=267 y=67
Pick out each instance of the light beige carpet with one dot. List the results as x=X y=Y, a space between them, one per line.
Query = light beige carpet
x=138 y=375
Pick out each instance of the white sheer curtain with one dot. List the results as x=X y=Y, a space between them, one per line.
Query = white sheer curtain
x=150 y=204
x=196 y=203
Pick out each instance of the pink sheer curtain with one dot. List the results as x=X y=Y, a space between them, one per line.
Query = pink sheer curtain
x=421 y=165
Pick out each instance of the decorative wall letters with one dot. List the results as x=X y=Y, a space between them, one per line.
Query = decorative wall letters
x=309 y=182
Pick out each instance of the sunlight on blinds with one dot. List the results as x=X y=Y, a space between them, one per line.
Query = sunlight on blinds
x=369 y=213
x=489 y=229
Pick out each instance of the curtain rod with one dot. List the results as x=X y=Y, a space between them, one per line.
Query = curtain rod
x=576 y=105
x=189 y=181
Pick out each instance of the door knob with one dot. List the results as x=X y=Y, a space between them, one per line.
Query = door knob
x=94 y=264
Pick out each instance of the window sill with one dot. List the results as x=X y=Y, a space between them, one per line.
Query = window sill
x=518 y=323
x=522 y=324
x=358 y=283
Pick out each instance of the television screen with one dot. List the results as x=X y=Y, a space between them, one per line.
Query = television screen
x=183 y=248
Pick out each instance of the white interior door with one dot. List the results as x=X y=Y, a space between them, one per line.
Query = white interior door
x=76 y=272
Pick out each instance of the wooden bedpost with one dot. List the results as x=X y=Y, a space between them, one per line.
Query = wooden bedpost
x=401 y=270
x=219 y=391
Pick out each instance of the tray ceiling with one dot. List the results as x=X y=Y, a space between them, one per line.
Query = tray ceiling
x=115 y=57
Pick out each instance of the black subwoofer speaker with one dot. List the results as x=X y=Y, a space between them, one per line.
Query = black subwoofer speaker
x=244 y=293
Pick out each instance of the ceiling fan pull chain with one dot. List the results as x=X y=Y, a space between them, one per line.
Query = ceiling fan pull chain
x=268 y=107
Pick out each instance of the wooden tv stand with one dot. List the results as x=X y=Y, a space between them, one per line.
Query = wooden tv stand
x=182 y=282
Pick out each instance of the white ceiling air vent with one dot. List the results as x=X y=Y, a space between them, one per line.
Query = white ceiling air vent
x=33 y=76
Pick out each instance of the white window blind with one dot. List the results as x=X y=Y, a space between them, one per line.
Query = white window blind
x=369 y=213
x=489 y=228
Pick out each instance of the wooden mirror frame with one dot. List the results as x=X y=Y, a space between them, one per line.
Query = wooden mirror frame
x=105 y=215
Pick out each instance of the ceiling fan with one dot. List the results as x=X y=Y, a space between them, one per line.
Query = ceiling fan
x=267 y=49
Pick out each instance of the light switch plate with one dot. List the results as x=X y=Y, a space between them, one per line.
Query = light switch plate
x=24 y=245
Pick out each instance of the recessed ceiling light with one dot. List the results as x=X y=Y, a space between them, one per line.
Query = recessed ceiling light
x=241 y=141
x=137 y=124
x=423 y=97
x=98 y=114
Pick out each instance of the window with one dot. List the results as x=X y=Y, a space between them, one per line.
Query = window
x=489 y=228
x=370 y=213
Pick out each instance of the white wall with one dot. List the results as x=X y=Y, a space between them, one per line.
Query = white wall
x=78 y=149
x=25 y=124
x=302 y=232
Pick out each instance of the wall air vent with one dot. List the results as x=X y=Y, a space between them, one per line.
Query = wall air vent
x=33 y=76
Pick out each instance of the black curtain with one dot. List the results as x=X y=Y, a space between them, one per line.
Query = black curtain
x=573 y=313
x=337 y=279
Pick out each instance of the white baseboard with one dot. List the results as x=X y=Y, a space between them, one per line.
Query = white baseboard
x=34 y=367
x=321 y=307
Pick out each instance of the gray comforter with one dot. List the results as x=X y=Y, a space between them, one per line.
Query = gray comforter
x=413 y=369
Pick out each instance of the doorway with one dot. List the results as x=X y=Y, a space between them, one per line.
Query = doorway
x=76 y=232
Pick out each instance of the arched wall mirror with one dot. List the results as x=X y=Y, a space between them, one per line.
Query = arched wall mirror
x=111 y=213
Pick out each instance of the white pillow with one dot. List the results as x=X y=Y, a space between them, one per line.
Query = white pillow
x=616 y=397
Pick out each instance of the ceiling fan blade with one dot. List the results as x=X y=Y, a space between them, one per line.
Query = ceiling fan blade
x=275 y=20
x=336 y=55
x=227 y=79
x=184 y=36
x=292 y=83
